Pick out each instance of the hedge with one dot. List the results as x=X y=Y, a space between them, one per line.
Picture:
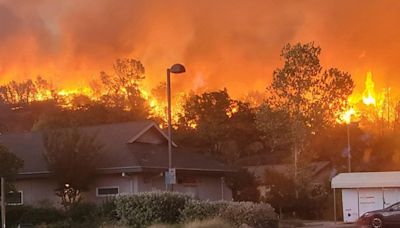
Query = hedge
x=149 y=208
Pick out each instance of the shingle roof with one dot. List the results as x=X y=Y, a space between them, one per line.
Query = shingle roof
x=117 y=154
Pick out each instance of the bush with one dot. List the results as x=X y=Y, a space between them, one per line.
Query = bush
x=149 y=208
x=201 y=210
x=82 y=212
x=30 y=215
x=108 y=210
x=256 y=215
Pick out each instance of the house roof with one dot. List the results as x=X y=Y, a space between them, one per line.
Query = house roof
x=366 y=180
x=122 y=150
x=287 y=169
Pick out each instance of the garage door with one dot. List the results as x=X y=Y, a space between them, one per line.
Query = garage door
x=370 y=200
x=350 y=205
x=391 y=196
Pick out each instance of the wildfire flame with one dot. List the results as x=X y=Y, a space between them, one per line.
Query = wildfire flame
x=369 y=108
x=369 y=97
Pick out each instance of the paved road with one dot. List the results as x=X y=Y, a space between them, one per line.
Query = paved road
x=318 y=224
x=328 y=225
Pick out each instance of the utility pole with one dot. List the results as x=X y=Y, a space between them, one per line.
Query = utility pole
x=3 y=203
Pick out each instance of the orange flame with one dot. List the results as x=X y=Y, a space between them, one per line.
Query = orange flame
x=369 y=97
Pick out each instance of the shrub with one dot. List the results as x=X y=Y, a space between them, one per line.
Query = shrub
x=107 y=210
x=256 y=215
x=42 y=215
x=200 y=210
x=145 y=209
x=236 y=213
x=82 y=212
x=27 y=214
x=149 y=208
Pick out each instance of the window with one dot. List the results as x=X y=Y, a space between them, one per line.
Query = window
x=188 y=180
x=107 y=191
x=14 y=198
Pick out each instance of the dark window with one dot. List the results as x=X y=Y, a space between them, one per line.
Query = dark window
x=107 y=191
x=189 y=180
x=14 y=198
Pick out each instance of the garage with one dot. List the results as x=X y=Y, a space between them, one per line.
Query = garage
x=365 y=191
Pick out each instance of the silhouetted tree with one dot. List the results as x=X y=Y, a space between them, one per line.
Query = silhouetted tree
x=123 y=87
x=310 y=95
x=216 y=122
x=244 y=186
x=73 y=157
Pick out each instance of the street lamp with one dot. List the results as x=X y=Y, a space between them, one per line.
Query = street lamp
x=347 y=119
x=175 y=69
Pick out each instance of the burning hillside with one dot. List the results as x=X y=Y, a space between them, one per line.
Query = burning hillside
x=372 y=108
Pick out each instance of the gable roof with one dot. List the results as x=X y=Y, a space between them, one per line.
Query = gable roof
x=148 y=127
x=120 y=152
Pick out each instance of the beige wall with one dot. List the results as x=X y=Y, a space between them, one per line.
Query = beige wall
x=38 y=192
x=41 y=191
x=208 y=188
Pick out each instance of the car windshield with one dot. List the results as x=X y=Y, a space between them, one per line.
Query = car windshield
x=395 y=207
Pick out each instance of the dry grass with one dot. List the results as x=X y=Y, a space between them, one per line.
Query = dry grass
x=212 y=223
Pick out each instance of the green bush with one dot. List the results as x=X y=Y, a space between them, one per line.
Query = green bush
x=107 y=210
x=145 y=209
x=236 y=213
x=256 y=215
x=82 y=212
x=201 y=210
x=30 y=215
x=149 y=208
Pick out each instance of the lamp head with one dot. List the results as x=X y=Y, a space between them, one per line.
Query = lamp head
x=177 y=69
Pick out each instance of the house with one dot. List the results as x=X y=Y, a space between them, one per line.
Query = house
x=366 y=191
x=318 y=173
x=133 y=159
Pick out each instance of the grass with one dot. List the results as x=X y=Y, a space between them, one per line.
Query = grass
x=213 y=223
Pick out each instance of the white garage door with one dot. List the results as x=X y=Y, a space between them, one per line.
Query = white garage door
x=370 y=200
x=391 y=196
x=350 y=205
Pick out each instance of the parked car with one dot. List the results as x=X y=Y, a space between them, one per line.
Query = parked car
x=387 y=217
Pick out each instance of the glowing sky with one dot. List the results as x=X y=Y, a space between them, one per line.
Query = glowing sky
x=225 y=43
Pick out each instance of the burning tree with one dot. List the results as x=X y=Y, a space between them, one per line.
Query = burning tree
x=123 y=87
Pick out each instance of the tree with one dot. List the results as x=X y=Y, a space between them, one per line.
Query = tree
x=275 y=128
x=123 y=87
x=9 y=163
x=280 y=194
x=244 y=186
x=309 y=95
x=73 y=157
x=216 y=122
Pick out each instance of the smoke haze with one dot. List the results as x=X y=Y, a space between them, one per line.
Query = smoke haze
x=227 y=43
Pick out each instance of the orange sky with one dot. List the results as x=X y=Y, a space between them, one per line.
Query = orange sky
x=224 y=43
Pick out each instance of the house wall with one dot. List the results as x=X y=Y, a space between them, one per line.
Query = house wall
x=38 y=192
x=207 y=188
x=41 y=191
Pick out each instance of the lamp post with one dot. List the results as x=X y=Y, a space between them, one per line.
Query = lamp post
x=175 y=69
x=348 y=147
x=347 y=119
